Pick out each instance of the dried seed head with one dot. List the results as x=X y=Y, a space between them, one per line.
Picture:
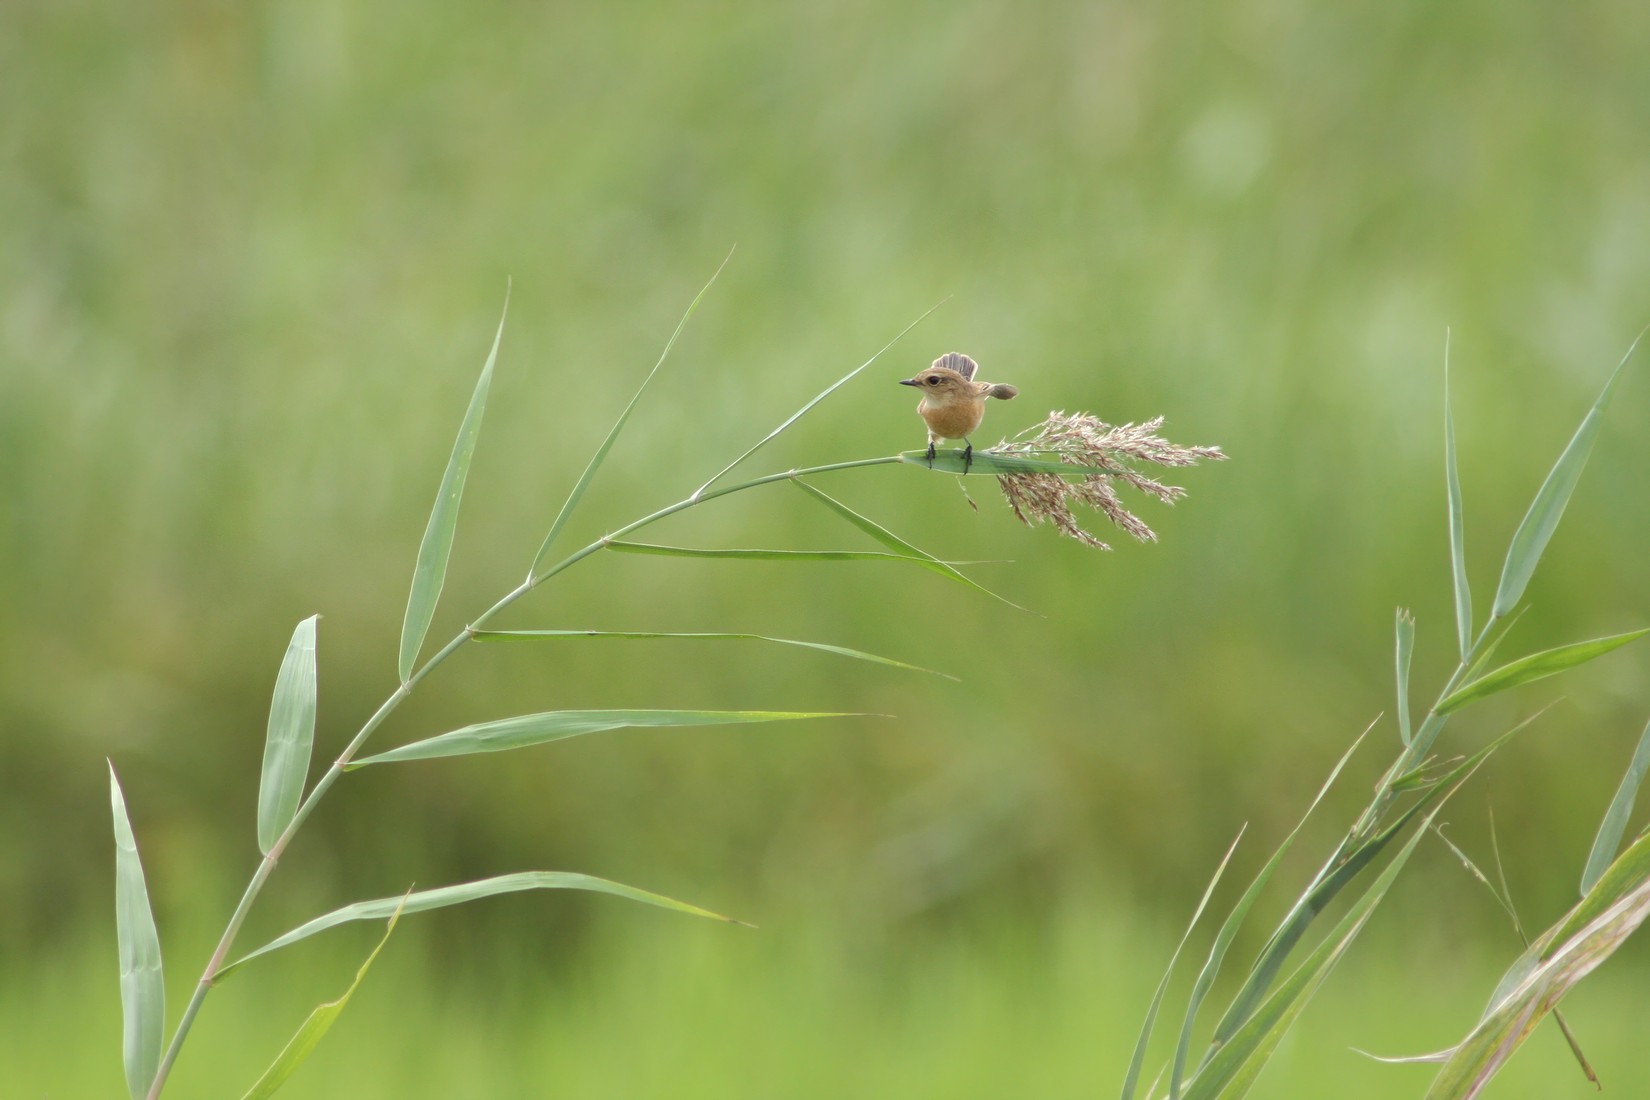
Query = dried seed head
x=1105 y=451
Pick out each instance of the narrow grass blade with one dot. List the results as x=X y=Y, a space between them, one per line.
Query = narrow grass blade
x=430 y=573
x=1131 y=1080
x=1237 y=1063
x=290 y=739
x=1234 y=921
x=1534 y=667
x=441 y=897
x=556 y=725
x=894 y=542
x=1341 y=870
x=760 y=555
x=989 y=462
x=1496 y=631
x=1457 y=524
x=607 y=444
x=1614 y=825
x=312 y=1030
x=142 y=985
x=803 y=411
x=841 y=651
x=1406 y=646
x=1531 y=538
x=1592 y=931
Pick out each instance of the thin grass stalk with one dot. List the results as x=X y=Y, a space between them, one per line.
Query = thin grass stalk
x=266 y=866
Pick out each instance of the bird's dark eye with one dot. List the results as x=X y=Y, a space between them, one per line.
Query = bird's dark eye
x=934 y=381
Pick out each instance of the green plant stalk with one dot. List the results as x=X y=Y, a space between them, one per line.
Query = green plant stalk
x=266 y=866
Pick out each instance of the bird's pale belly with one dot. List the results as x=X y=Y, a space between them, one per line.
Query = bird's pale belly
x=951 y=421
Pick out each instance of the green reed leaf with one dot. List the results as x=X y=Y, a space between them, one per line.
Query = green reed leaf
x=430 y=573
x=760 y=555
x=557 y=725
x=1234 y=921
x=142 y=983
x=895 y=543
x=1132 y=1078
x=826 y=392
x=1406 y=646
x=1614 y=825
x=1588 y=935
x=841 y=651
x=1235 y=1064
x=1533 y=534
x=990 y=462
x=290 y=738
x=314 y=1028
x=441 y=897
x=1457 y=524
x=590 y=469
x=1534 y=667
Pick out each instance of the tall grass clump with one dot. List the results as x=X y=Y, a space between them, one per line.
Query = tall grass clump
x=287 y=797
x=1614 y=888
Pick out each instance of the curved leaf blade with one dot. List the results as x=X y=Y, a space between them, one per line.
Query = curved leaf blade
x=822 y=647
x=441 y=897
x=895 y=543
x=556 y=725
x=989 y=462
x=1132 y=1078
x=313 y=1029
x=430 y=572
x=1539 y=523
x=1406 y=647
x=596 y=459
x=290 y=739
x=748 y=554
x=1536 y=666
x=803 y=411
x=1614 y=825
x=142 y=983
x=1574 y=948
x=1457 y=524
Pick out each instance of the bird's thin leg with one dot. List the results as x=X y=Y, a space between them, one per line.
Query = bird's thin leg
x=930 y=453
x=968 y=456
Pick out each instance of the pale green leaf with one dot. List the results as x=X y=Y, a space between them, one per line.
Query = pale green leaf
x=312 y=1030
x=430 y=573
x=537 y=729
x=841 y=651
x=894 y=542
x=1235 y=1065
x=1234 y=921
x=832 y=388
x=1534 y=667
x=290 y=738
x=461 y=893
x=1530 y=540
x=1131 y=1080
x=1614 y=825
x=1457 y=524
x=763 y=555
x=1406 y=646
x=590 y=469
x=142 y=985
x=990 y=462
x=1555 y=963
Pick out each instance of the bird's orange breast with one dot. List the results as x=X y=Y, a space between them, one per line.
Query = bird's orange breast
x=954 y=419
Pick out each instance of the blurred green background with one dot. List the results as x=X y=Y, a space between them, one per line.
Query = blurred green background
x=251 y=257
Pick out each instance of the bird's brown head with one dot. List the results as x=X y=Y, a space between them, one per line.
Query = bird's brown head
x=940 y=383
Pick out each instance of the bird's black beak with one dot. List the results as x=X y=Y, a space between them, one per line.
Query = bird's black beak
x=909 y=382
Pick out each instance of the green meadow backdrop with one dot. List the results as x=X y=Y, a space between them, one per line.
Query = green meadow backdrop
x=251 y=260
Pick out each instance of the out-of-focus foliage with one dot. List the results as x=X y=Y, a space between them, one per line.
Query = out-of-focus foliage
x=252 y=255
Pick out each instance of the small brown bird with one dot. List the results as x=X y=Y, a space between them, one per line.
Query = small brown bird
x=953 y=404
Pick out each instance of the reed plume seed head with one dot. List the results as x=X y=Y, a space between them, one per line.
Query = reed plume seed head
x=1105 y=450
